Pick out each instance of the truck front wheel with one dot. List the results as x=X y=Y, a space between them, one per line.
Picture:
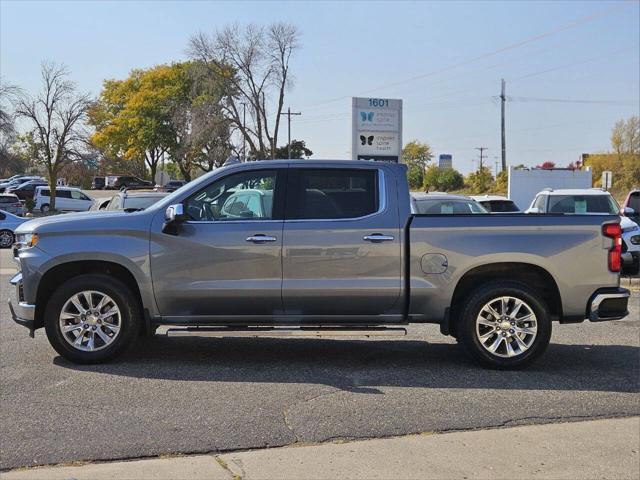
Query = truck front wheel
x=505 y=325
x=91 y=318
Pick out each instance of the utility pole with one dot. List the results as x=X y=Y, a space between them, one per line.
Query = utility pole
x=288 y=114
x=244 y=129
x=482 y=149
x=503 y=99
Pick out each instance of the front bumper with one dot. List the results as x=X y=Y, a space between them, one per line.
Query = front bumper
x=608 y=304
x=22 y=313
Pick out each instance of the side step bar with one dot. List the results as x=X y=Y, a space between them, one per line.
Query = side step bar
x=285 y=332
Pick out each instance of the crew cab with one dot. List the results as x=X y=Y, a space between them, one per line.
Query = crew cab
x=326 y=248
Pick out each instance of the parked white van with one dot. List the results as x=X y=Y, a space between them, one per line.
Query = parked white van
x=69 y=199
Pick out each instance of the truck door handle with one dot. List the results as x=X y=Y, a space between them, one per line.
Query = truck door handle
x=378 y=238
x=260 y=238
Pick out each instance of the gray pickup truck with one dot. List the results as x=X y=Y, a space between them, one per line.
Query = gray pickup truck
x=312 y=248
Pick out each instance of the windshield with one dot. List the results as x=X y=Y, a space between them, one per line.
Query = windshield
x=140 y=203
x=448 y=207
x=583 y=204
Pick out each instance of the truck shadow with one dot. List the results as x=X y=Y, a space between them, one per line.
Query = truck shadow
x=361 y=366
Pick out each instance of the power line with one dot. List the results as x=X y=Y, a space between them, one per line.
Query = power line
x=572 y=100
x=573 y=64
x=526 y=41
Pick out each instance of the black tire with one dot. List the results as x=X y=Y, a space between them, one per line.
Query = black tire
x=122 y=296
x=44 y=208
x=634 y=268
x=471 y=309
x=6 y=238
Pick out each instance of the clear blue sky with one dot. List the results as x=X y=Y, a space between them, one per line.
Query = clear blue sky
x=445 y=59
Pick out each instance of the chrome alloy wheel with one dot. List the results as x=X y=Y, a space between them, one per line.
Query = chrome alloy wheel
x=506 y=327
x=90 y=321
x=6 y=238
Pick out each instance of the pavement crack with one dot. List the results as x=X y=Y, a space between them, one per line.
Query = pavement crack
x=285 y=410
x=226 y=468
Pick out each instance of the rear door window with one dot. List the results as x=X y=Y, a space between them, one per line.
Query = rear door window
x=332 y=193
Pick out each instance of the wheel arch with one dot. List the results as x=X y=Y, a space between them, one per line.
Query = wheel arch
x=533 y=276
x=62 y=272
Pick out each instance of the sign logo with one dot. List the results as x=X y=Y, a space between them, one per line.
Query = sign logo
x=366 y=116
x=366 y=140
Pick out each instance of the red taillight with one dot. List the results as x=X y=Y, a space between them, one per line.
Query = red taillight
x=614 y=231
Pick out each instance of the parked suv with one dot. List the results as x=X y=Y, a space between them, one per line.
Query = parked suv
x=633 y=202
x=123 y=182
x=98 y=183
x=68 y=199
x=11 y=203
x=593 y=201
x=170 y=186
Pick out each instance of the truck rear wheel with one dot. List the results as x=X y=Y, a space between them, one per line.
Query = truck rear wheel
x=505 y=325
x=92 y=318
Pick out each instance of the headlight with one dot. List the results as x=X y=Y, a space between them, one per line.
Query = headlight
x=635 y=239
x=27 y=240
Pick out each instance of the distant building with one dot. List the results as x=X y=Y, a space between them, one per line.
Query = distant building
x=445 y=160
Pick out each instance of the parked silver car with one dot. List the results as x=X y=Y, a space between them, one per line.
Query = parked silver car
x=8 y=225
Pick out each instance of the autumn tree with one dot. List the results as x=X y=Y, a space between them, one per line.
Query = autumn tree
x=625 y=140
x=416 y=156
x=254 y=61
x=547 y=165
x=480 y=181
x=624 y=161
x=442 y=179
x=55 y=118
x=131 y=119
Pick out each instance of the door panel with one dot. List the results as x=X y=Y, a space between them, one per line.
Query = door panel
x=211 y=269
x=219 y=262
x=328 y=266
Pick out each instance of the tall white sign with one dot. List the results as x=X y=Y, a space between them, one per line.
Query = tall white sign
x=376 y=129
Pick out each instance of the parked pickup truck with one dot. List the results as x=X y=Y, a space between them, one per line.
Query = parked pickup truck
x=313 y=248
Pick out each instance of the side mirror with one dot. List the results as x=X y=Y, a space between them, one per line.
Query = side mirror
x=627 y=211
x=533 y=210
x=175 y=213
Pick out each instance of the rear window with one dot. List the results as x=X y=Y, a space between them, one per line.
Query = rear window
x=583 y=204
x=333 y=193
x=501 y=206
x=634 y=201
x=8 y=199
x=448 y=207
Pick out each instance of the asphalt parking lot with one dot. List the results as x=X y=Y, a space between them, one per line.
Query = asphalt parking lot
x=186 y=395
